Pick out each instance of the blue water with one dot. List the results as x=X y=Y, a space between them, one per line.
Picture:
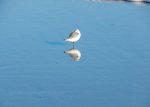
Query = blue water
x=113 y=71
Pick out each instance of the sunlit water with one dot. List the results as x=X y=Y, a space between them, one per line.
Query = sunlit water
x=113 y=71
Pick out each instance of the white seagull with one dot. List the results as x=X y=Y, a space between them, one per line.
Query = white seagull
x=74 y=36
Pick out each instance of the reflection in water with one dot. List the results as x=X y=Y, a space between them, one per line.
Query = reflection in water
x=139 y=2
x=75 y=54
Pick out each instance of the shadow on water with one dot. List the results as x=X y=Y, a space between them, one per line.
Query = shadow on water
x=75 y=54
x=137 y=2
x=52 y=43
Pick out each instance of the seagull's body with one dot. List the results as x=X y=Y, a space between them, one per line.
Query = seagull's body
x=74 y=36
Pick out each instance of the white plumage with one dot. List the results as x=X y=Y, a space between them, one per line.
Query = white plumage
x=74 y=36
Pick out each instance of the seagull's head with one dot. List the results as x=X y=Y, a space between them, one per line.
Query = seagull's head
x=77 y=30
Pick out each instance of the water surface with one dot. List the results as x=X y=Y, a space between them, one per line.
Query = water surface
x=112 y=72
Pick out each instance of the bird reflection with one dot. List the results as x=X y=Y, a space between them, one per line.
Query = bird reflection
x=138 y=2
x=75 y=54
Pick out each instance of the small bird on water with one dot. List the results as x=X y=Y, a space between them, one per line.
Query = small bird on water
x=74 y=36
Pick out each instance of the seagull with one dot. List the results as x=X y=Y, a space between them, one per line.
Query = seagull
x=74 y=36
x=75 y=54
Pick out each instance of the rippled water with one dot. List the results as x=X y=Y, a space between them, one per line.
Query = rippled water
x=114 y=67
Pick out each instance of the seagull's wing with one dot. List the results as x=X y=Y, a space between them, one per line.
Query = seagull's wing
x=73 y=35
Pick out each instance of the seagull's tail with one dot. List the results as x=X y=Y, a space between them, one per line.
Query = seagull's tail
x=65 y=39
